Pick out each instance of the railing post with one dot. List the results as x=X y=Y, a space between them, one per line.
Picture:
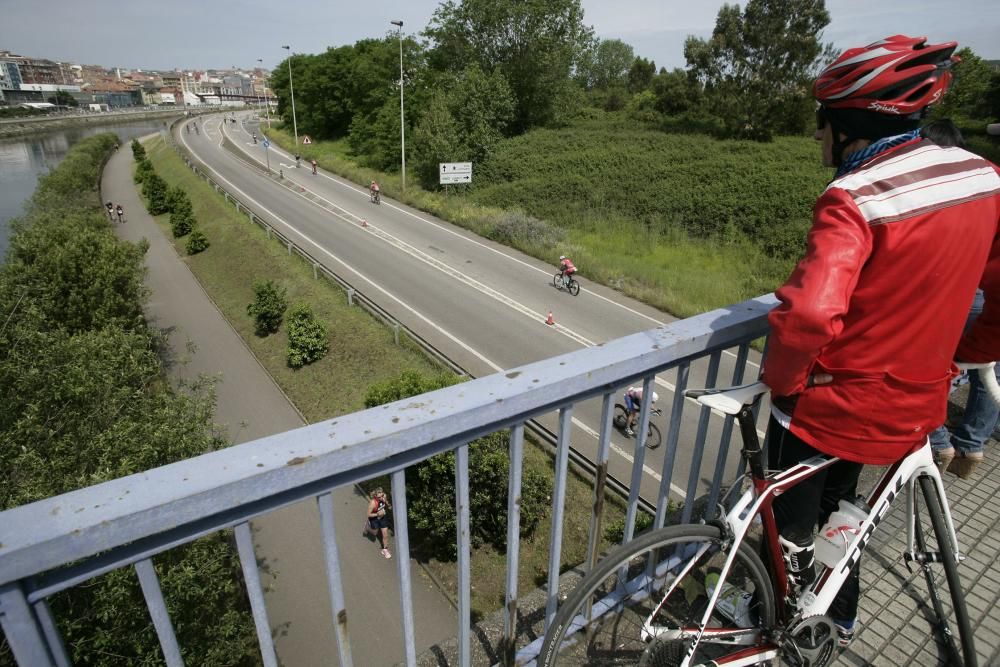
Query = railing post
x=350 y=296
x=395 y=331
x=289 y=247
x=315 y=271
x=513 y=543
x=24 y=634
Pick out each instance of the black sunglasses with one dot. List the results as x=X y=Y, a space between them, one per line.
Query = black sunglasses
x=820 y=119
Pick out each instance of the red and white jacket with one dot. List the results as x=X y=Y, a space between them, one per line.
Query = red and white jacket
x=896 y=251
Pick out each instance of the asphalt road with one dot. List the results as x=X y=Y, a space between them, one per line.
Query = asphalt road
x=481 y=303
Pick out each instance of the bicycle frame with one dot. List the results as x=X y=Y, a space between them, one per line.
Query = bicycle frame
x=758 y=500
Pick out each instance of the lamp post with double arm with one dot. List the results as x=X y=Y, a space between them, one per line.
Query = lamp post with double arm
x=291 y=88
x=402 y=122
x=263 y=93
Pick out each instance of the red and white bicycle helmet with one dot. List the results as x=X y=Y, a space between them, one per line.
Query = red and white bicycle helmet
x=898 y=75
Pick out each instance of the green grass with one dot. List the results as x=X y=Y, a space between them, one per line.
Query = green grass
x=362 y=352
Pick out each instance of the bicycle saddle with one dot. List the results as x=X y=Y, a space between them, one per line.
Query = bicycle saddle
x=728 y=399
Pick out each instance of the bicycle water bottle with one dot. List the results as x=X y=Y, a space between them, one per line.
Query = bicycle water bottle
x=840 y=529
x=797 y=550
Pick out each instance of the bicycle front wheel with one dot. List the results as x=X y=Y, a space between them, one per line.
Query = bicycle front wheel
x=643 y=603
x=946 y=554
x=557 y=281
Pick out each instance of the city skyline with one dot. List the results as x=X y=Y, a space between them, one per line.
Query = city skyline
x=187 y=35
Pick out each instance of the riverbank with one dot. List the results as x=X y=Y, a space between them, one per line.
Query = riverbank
x=15 y=127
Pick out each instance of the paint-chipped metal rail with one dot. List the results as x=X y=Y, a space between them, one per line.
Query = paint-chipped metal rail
x=66 y=541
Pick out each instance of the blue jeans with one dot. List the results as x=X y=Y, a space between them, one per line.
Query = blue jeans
x=981 y=413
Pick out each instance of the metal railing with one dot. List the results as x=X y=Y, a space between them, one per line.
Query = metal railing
x=61 y=542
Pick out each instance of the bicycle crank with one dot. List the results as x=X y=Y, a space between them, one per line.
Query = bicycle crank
x=810 y=643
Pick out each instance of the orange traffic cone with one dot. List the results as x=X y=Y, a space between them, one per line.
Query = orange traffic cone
x=549 y=319
x=364 y=223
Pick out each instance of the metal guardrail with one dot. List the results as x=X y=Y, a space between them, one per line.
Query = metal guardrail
x=61 y=542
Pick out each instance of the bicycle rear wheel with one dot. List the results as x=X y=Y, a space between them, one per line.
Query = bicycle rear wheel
x=642 y=604
x=621 y=417
x=574 y=287
x=945 y=554
x=653 y=437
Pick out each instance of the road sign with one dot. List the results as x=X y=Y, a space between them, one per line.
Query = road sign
x=266 y=143
x=306 y=139
x=455 y=172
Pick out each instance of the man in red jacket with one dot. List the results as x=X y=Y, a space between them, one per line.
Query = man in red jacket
x=862 y=344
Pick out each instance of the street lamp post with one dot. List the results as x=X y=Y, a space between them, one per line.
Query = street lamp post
x=267 y=108
x=402 y=122
x=291 y=88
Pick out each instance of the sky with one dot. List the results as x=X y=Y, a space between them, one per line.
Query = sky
x=205 y=34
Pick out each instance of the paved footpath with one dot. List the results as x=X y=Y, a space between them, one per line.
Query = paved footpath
x=895 y=611
x=288 y=544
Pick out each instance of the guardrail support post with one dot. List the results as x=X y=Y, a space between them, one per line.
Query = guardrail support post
x=268 y=230
x=289 y=247
x=315 y=271
x=350 y=296
x=395 y=331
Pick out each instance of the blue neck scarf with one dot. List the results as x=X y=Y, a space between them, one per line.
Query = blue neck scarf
x=854 y=160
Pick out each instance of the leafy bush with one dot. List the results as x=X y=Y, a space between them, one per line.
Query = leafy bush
x=430 y=489
x=85 y=401
x=138 y=150
x=196 y=243
x=178 y=200
x=155 y=190
x=268 y=307
x=615 y=531
x=181 y=216
x=520 y=230
x=142 y=170
x=307 y=337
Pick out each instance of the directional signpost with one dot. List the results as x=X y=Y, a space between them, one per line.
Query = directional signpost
x=455 y=172
x=267 y=144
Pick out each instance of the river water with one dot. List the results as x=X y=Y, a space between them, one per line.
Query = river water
x=24 y=159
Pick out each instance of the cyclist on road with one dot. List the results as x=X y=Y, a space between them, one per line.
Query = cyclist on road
x=566 y=268
x=633 y=401
x=313 y=163
x=862 y=341
x=254 y=135
x=374 y=190
x=111 y=211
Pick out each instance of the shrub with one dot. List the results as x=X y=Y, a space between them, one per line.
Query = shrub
x=615 y=532
x=155 y=190
x=430 y=490
x=180 y=225
x=178 y=200
x=138 y=150
x=307 y=337
x=517 y=228
x=268 y=306
x=142 y=170
x=196 y=243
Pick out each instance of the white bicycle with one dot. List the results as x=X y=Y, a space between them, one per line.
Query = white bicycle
x=690 y=595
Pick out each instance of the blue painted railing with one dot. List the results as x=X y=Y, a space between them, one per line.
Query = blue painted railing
x=127 y=521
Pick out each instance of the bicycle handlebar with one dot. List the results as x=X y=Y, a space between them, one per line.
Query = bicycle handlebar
x=987 y=376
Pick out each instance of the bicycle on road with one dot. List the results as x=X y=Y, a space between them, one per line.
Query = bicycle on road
x=376 y=196
x=653 y=437
x=567 y=282
x=688 y=595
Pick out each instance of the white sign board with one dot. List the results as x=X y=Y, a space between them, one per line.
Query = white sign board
x=455 y=172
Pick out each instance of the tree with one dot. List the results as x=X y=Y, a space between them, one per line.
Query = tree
x=85 y=401
x=463 y=121
x=430 y=485
x=759 y=62
x=606 y=65
x=675 y=92
x=155 y=190
x=268 y=307
x=535 y=44
x=969 y=95
x=307 y=337
x=640 y=75
x=63 y=98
